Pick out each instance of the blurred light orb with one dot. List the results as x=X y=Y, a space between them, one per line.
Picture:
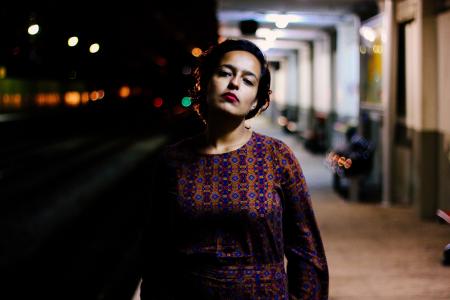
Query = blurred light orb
x=93 y=96
x=282 y=121
x=186 y=101
x=160 y=61
x=94 y=48
x=158 y=102
x=101 y=94
x=2 y=72
x=33 y=29
x=362 y=50
x=72 y=41
x=124 y=91
x=196 y=52
x=348 y=163
x=72 y=98
x=291 y=126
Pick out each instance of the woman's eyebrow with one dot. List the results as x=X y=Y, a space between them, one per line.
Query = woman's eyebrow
x=246 y=72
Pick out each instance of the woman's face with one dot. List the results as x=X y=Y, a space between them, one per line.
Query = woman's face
x=234 y=84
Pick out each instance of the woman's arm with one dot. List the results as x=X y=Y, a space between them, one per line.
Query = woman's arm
x=307 y=268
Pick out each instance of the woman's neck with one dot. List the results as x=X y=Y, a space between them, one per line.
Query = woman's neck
x=226 y=136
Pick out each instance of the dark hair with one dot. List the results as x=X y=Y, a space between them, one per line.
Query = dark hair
x=210 y=60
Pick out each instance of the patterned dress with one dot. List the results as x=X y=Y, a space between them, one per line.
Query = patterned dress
x=221 y=224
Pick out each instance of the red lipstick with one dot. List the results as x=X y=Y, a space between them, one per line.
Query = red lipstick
x=230 y=97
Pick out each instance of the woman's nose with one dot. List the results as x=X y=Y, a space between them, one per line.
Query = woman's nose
x=234 y=83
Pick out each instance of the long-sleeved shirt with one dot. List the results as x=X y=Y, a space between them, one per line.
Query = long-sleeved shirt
x=221 y=224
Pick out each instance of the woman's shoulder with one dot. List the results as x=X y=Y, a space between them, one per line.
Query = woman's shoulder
x=271 y=142
x=279 y=150
x=185 y=147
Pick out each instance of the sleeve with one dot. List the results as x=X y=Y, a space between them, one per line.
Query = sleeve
x=307 y=268
x=156 y=245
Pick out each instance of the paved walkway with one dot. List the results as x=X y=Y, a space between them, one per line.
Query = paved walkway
x=373 y=252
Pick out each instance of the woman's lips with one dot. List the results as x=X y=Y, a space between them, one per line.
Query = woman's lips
x=230 y=97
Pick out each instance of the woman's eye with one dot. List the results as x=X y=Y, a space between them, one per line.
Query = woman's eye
x=223 y=73
x=248 y=82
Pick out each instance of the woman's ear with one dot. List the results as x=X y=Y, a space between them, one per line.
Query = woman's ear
x=254 y=105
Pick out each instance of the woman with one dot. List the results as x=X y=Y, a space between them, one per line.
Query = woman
x=229 y=203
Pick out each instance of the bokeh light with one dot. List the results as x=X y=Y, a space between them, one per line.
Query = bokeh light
x=196 y=52
x=72 y=41
x=33 y=29
x=186 y=101
x=94 y=48
x=158 y=102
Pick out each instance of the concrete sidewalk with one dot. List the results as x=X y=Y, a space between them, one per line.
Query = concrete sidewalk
x=373 y=252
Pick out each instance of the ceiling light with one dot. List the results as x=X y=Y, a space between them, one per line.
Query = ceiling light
x=281 y=20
